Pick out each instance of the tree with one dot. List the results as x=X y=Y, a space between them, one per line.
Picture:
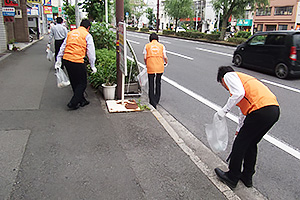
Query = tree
x=179 y=9
x=70 y=13
x=235 y=8
x=150 y=15
x=95 y=9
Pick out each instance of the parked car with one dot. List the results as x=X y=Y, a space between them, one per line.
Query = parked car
x=180 y=29
x=275 y=51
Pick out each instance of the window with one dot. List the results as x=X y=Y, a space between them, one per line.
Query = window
x=259 y=27
x=275 y=40
x=263 y=11
x=258 y=40
x=282 y=27
x=287 y=10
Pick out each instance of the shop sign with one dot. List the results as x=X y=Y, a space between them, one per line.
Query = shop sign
x=47 y=3
x=54 y=9
x=34 y=1
x=11 y=3
x=49 y=17
x=47 y=10
x=8 y=11
x=244 y=22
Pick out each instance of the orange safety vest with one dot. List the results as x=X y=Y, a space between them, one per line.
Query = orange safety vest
x=75 y=49
x=257 y=95
x=154 y=57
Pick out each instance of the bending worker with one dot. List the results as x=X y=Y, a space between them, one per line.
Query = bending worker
x=78 y=43
x=259 y=111
x=154 y=57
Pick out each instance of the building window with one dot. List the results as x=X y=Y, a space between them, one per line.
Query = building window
x=287 y=10
x=263 y=11
x=282 y=27
x=259 y=27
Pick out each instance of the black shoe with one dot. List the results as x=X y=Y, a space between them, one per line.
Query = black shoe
x=84 y=103
x=247 y=181
x=73 y=107
x=224 y=178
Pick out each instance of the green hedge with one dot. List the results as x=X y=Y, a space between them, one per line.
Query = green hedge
x=237 y=40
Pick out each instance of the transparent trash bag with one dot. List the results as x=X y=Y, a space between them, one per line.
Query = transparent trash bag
x=50 y=55
x=143 y=77
x=217 y=134
x=61 y=77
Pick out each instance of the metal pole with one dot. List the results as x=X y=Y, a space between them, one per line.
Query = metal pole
x=157 y=20
x=119 y=18
x=106 y=12
x=77 y=14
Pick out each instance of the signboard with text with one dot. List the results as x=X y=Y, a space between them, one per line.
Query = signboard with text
x=11 y=3
x=122 y=47
x=8 y=11
x=34 y=1
x=47 y=3
x=47 y=10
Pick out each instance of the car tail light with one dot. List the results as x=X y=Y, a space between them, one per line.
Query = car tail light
x=293 y=54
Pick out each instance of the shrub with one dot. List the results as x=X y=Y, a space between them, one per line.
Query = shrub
x=243 y=34
x=236 y=40
x=144 y=30
x=213 y=36
x=132 y=28
x=168 y=32
x=103 y=37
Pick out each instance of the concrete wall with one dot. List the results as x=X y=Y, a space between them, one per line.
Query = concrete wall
x=3 y=43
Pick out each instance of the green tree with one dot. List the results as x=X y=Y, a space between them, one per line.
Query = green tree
x=179 y=9
x=150 y=15
x=95 y=9
x=70 y=13
x=235 y=8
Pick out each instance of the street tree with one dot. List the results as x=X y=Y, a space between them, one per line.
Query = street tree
x=236 y=8
x=150 y=15
x=70 y=13
x=179 y=9
x=95 y=9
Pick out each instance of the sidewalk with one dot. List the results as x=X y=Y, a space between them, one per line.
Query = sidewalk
x=48 y=152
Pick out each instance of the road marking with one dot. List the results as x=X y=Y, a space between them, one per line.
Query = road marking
x=132 y=41
x=180 y=55
x=216 y=52
x=282 y=145
x=280 y=85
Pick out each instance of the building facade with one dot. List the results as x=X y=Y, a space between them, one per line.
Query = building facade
x=279 y=15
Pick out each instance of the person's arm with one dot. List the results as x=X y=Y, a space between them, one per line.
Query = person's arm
x=145 y=55
x=90 y=51
x=61 y=51
x=165 y=55
x=236 y=90
x=51 y=34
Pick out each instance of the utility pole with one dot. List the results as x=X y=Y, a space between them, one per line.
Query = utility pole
x=157 y=20
x=77 y=13
x=106 y=13
x=119 y=18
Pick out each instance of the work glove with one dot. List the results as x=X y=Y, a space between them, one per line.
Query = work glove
x=48 y=46
x=94 y=70
x=221 y=114
x=57 y=64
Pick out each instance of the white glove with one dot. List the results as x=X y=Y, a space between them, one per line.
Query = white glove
x=221 y=114
x=57 y=64
x=94 y=70
x=48 y=46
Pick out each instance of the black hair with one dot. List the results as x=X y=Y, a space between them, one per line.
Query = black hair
x=59 y=20
x=222 y=71
x=85 y=23
x=153 y=36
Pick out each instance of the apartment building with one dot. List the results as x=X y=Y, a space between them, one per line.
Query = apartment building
x=279 y=15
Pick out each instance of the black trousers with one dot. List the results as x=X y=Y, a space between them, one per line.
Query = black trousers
x=244 y=148
x=78 y=79
x=57 y=45
x=154 y=90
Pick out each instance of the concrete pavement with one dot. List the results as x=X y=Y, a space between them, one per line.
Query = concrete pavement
x=49 y=152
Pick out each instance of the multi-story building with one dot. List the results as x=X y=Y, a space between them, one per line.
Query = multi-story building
x=279 y=15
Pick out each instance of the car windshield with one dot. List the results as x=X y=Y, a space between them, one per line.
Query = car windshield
x=297 y=40
x=258 y=40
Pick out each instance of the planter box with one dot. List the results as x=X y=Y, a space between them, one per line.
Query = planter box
x=131 y=88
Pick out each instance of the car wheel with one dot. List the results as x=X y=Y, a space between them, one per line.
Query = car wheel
x=238 y=60
x=281 y=71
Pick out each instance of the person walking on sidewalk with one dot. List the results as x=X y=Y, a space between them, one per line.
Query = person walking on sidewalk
x=259 y=111
x=59 y=33
x=78 y=43
x=154 y=57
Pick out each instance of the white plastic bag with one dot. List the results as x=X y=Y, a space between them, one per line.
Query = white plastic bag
x=217 y=134
x=143 y=77
x=50 y=55
x=62 y=79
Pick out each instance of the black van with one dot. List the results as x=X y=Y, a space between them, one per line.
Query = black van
x=276 y=51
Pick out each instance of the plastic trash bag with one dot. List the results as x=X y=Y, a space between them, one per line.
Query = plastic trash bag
x=50 y=54
x=143 y=77
x=62 y=79
x=217 y=134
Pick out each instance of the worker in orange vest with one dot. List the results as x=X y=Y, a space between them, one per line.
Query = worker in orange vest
x=78 y=43
x=155 y=58
x=259 y=111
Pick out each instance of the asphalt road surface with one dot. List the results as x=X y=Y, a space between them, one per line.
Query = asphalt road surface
x=191 y=94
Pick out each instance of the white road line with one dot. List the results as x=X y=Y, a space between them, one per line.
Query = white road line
x=180 y=55
x=280 y=85
x=216 y=52
x=132 y=41
x=282 y=145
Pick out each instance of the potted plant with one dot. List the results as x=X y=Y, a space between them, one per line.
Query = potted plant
x=11 y=44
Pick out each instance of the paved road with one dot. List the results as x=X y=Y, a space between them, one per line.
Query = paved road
x=191 y=94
